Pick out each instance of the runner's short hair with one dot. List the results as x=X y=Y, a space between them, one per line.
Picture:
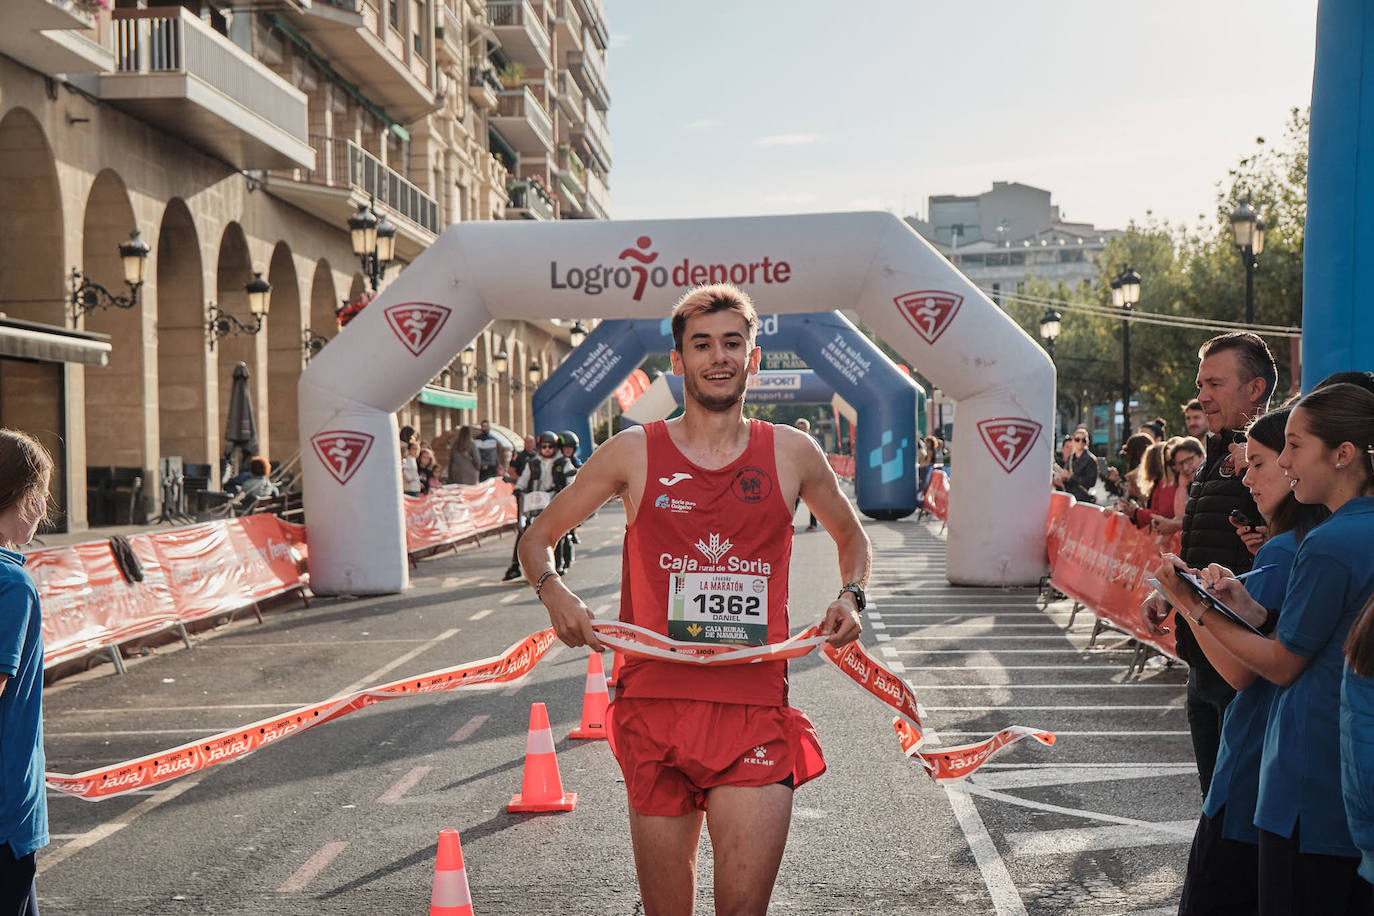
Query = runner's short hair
x=718 y=297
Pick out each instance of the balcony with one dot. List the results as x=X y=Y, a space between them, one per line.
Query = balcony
x=178 y=74
x=521 y=32
x=524 y=122
x=570 y=97
x=568 y=26
x=528 y=201
x=483 y=86
x=594 y=17
x=594 y=136
x=588 y=68
x=598 y=196
x=52 y=36
x=448 y=38
x=352 y=36
x=572 y=182
x=348 y=175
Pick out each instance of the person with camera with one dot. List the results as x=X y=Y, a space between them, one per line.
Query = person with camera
x=1235 y=378
x=1308 y=858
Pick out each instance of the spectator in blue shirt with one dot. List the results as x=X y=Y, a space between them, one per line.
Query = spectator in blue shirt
x=25 y=470
x=1307 y=858
x=1223 y=864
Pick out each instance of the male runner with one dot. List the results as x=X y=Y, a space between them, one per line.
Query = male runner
x=708 y=502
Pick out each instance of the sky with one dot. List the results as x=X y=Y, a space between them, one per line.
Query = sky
x=1121 y=110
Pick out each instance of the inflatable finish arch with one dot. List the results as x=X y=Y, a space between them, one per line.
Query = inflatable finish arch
x=1002 y=381
x=885 y=396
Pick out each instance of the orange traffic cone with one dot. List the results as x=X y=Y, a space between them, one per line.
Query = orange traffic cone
x=542 y=788
x=594 y=701
x=450 y=896
x=614 y=679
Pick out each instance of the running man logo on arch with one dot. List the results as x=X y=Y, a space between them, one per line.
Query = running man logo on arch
x=342 y=452
x=929 y=311
x=1010 y=439
x=643 y=271
x=416 y=324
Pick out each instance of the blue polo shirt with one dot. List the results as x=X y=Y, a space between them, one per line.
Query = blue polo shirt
x=1333 y=575
x=23 y=798
x=1235 y=782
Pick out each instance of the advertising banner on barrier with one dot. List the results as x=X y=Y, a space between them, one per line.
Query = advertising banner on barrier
x=455 y=512
x=188 y=573
x=843 y=465
x=1100 y=559
x=937 y=495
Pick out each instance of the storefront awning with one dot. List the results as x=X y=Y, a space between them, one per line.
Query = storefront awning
x=448 y=397
x=52 y=344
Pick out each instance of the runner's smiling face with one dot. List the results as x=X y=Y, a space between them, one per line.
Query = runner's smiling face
x=717 y=358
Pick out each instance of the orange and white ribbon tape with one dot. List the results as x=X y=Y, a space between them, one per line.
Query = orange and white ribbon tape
x=515 y=663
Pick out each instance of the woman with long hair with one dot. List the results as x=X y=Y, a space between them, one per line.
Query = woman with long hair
x=1307 y=858
x=25 y=471
x=1156 y=482
x=1222 y=866
x=1186 y=458
x=463 y=460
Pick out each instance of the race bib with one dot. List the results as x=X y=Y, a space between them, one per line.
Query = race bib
x=718 y=607
x=537 y=500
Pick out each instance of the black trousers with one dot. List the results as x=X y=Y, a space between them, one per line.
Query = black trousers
x=1222 y=874
x=1293 y=883
x=17 y=895
x=1208 y=697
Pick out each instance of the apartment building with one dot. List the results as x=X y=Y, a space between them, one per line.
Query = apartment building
x=238 y=138
x=1009 y=234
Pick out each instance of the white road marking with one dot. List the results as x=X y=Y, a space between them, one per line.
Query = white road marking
x=896 y=667
x=403 y=785
x=455 y=582
x=513 y=597
x=1060 y=776
x=515 y=686
x=115 y=710
x=1089 y=686
x=881 y=637
x=1019 y=636
x=216 y=644
x=203 y=730
x=1013 y=667
x=1076 y=708
x=101 y=831
x=1006 y=900
x=485 y=612
x=316 y=864
x=872 y=614
x=1075 y=651
x=1084 y=766
x=878 y=625
x=468 y=728
x=1090 y=734
x=1186 y=830
x=1075 y=840
x=888 y=652
x=602 y=609
x=372 y=677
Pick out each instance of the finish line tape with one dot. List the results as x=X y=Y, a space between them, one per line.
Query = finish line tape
x=517 y=661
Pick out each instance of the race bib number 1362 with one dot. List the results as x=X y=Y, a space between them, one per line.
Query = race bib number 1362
x=718 y=607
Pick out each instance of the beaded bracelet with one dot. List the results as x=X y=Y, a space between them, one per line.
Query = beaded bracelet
x=539 y=586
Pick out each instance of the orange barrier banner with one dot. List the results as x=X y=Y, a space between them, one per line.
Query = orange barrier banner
x=937 y=495
x=456 y=512
x=843 y=465
x=1100 y=559
x=188 y=573
x=517 y=661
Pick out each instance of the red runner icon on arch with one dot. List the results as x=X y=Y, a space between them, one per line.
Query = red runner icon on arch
x=929 y=311
x=1010 y=439
x=416 y=324
x=342 y=452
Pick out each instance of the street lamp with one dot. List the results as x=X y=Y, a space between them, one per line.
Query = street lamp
x=577 y=333
x=222 y=324
x=87 y=295
x=1049 y=329
x=502 y=362
x=532 y=375
x=374 y=242
x=1125 y=294
x=1248 y=229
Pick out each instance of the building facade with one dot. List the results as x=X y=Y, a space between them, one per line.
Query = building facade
x=1013 y=233
x=239 y=138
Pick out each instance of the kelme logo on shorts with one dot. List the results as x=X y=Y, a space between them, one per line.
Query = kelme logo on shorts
x=929 y=311
x=642 y=271
x=1010 y=439
x=341 y=451
x=416 y=324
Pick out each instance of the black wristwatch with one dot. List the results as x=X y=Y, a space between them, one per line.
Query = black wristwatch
x=857 y=590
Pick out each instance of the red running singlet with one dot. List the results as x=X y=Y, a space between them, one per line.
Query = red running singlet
x=706 y=560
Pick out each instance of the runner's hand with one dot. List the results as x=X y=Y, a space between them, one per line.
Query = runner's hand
x=571 y=618
x=841 y=622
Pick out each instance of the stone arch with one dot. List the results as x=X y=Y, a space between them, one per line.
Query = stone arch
x=33 y=287
x=285 y=356
x=117 y=430
x=324 y=301
x=184 y=382
x=233 y=271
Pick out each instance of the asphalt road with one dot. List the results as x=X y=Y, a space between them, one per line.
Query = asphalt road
x=344 y=818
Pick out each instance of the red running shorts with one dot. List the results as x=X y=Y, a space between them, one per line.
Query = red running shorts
x=673 y=751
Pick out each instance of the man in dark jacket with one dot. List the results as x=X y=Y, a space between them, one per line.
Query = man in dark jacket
x=1235 y=379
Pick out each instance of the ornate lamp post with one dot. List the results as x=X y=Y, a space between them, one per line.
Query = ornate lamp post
x=374 y=242
x=1247 y=227
x=1125 y=294
x=87 y=295
x=577 y=333
x=222 y=324
x=1049 y=329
